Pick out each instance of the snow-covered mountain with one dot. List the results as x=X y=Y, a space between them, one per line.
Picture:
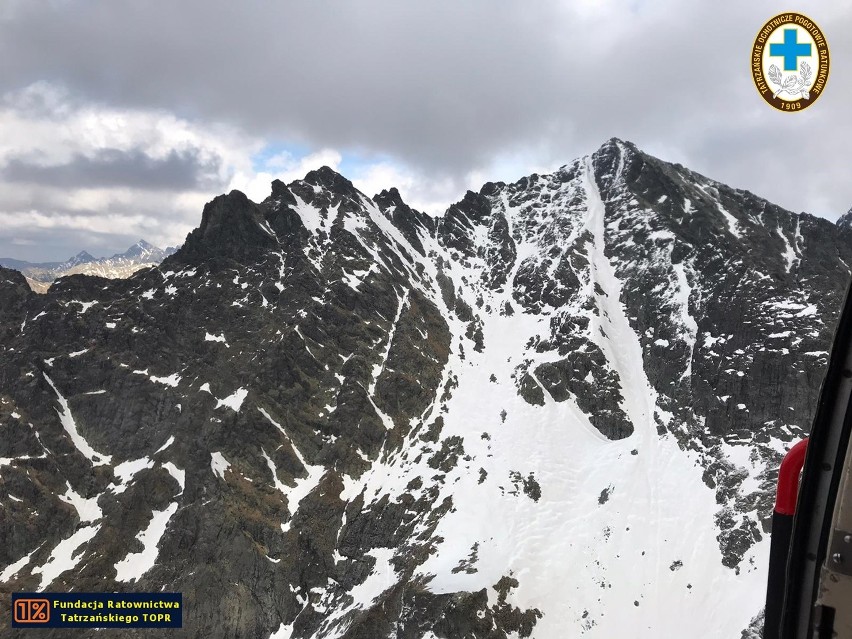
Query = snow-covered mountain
x=140 y=255
x=556 y=410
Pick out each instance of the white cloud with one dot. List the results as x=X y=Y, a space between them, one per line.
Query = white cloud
x=283 y=166
x=46 y=126
x=43 y=126
x=443 y=86
x=45 y=123
x=374 y=178
x=507 y=90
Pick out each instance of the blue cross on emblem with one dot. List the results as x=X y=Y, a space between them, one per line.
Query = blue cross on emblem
x=790 y=50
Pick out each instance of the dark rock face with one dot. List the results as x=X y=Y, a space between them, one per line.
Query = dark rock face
x=232 y=226
x=334 y=416
x=14 y=295
x=845 y=220
x=411 y=223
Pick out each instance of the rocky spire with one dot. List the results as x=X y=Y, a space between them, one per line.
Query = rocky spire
x=232 y=226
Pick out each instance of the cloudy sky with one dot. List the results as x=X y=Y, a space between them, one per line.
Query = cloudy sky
x=119 y=119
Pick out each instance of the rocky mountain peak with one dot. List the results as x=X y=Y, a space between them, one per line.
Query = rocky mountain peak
x=82 y=257
x=491 y=188
x=139 y=248
x=388 y=197
x=845 y=220
x=411 y=223
x=473 y=206
x=616 y=144
x=141 y=252
x=281 y=194
x=331 y=180
x=617 y=158
x=231 y=226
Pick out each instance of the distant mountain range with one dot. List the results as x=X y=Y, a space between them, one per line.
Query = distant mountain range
x=41 y=275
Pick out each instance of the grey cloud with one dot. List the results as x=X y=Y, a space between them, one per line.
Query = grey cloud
x=447 y=87
x=116 y=168
x=443 y=87
x=57 y=245
x=38 y=224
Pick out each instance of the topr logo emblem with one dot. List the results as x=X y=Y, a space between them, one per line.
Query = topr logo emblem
x=789 y=62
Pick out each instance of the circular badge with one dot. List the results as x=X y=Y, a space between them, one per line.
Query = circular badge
x=789 y=62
